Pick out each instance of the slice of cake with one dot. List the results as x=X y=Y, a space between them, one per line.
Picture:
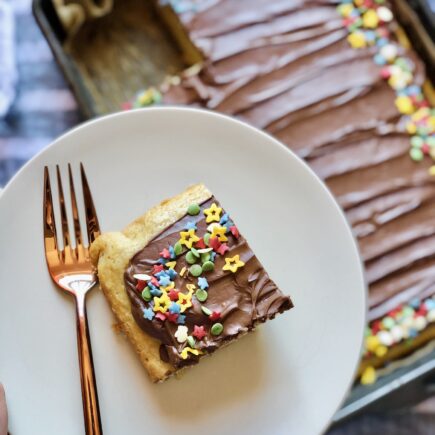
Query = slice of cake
x=183 y=281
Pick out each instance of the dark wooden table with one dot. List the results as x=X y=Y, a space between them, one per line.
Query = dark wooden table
x=45 y=108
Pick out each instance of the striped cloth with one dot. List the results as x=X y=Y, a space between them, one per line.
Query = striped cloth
x=44 y=107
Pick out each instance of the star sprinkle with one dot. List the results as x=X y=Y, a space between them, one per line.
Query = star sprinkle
x=175 y=308
x=191 y=225
x=214 y=243
x=224 y=219
x=164 y=280
x=222 y=249
x=173 y=295
x=202 y=283
x=186 y=350
x=140 y=285
x=171 y=317
x=188 y=238
x=235 y=231
x=213 y=213
x=165 y=253
x=155 y=291
x=169 y=287
x=181 y=334
x=148 y=313
x=162 y=303
x=233 y=263
x=219 y=232
x=157 y=268
x=185 y=301
x=181 y=319
x=200 y=244
x=199 y=332
x=160 y=316
x=171 y=266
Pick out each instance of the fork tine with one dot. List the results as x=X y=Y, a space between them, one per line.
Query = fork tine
x=75 y=213
x=92 y=225
x=50 y=236
x=63 y=216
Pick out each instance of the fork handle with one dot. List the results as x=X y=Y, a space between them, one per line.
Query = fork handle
x=91 y=408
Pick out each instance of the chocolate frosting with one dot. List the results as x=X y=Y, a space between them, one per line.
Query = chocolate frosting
x=244 y=298
x=286 y=66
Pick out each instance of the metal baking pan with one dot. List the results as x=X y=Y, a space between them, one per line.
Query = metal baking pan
x=144 y=55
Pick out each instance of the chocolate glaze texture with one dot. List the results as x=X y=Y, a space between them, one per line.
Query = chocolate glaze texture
x=244 y=298
x=286 y=67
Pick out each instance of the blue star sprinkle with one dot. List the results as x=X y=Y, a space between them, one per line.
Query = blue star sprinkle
x=181 y=319
x=190 y=225
x=171 y=252
x=224 y=219
x=174 y=308
x=148 y=313
x=161 y=273
x=164 y=280
x=172 y=274
x=202 y=283
x=156 y=292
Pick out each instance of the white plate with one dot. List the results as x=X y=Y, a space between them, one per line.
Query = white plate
x=288 y=377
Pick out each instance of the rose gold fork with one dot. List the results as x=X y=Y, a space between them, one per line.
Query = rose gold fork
x=72 y=271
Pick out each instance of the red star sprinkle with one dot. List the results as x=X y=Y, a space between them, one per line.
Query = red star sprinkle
x=155 y=282
x=141 y=285
x=160 y=316
x=157 y=268
x=199 y=332
x=172 y=317
x=214 y=243
x=376 y=327
x=385 y=73
x=223 y=248
x=215 y=315
x=165 y=253
x=235 y=231
x=200 y=244
x=173 y=295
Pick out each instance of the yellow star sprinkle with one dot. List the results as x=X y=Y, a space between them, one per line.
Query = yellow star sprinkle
x=187 y=350
x=219 y=232
x=213 y=213
x=370 y=19
x=345 y=9
x=185 y=301
x=369 y=376
x=162 y=303
x=411 y=128
x=171 y=264
x=233 y=263
x=404 y=105
x=191 y=288
x=183 y=271
x=188 y=238
x=168 y=287
x=372 y=342
x=357 y=40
